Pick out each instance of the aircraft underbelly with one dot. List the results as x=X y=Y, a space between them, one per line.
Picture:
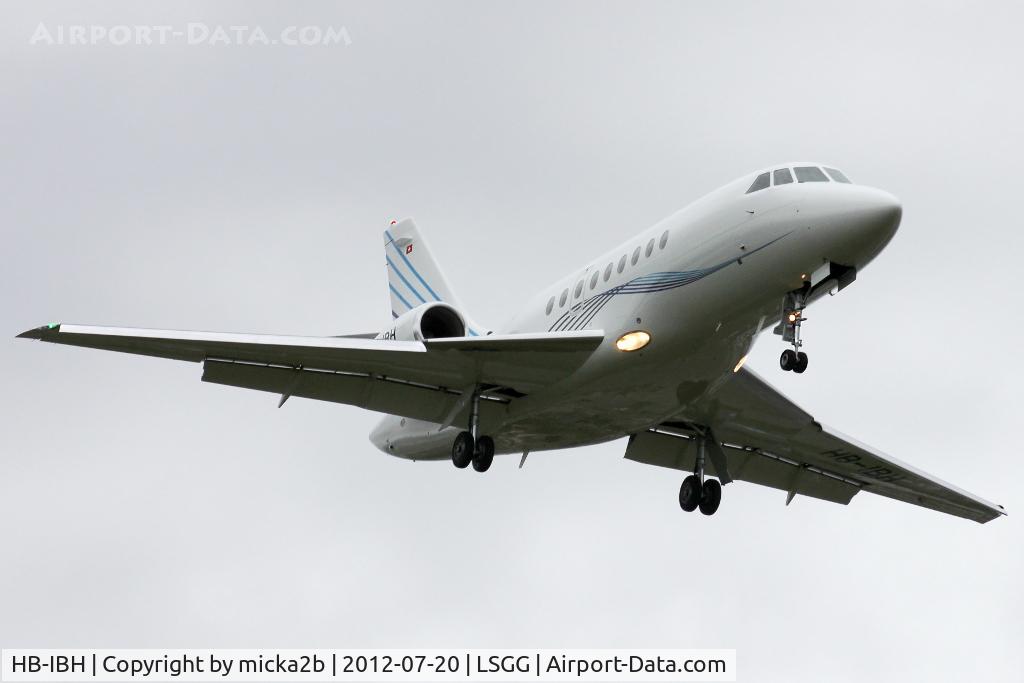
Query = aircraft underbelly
x=613 y=396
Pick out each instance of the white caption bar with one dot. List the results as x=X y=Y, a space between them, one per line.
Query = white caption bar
x=368 y=665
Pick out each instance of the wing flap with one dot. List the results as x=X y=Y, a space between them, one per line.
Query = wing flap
x=678 y=451
x=418 y=401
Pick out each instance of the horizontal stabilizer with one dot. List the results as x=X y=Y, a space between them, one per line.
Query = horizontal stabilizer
x=543 y=342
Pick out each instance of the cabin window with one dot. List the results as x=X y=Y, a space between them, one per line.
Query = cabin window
x=622 y=263
x=636 y=256
x=608 y=272
x=551 y=305
x=783 y=176
x=810 y=174
x=664 y=240
x=760 y=182
x=650 y=248
x=561 y=299
x=837 y=175
x=579 y=290
x=593 y=279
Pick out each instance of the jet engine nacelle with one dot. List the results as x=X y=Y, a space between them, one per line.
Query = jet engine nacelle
x=428 y=321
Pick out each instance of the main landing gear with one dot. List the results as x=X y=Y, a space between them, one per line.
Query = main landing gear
x=698 y=492
x=470 y=447
x=792 y=317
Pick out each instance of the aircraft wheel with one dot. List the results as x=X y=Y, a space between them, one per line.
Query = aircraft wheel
x=801 y=362
x=689 y=493
x=484 y=455
x=788 y=360
x=711 y=498
x=462 y=450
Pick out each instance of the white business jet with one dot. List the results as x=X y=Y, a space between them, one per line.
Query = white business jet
x=646 y=341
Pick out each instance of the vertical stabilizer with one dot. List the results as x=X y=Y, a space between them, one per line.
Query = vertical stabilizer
x=414 y=277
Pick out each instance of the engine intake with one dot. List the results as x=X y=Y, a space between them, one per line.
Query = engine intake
x=435 y=320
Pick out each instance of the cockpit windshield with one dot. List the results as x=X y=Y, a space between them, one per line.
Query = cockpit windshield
x=804 y=174
x=837 y=175
x=782 y=176
x=761 y=182
x=810 y=174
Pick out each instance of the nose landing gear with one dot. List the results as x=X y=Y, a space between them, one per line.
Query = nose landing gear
x=793 y=359
x=469 y=446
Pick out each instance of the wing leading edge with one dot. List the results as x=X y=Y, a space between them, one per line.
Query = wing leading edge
x=769 y=440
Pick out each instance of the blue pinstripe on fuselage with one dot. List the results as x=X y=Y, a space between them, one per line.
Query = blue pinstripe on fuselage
x=581 y=314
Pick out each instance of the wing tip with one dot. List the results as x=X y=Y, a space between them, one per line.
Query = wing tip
x=38 y=332
x=994 y=511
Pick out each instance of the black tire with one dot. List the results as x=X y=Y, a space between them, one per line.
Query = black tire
x=462 y=450
x=801 y=362
x=711 y=498
x=484 y=455
x=788 y=360
x=690 y=493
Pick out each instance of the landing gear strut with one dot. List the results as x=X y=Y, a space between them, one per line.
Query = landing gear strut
x=469 y=446
x=792 y=317
x=698 y=492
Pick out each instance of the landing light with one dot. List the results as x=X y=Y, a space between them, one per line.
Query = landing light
x=740 y=364
x=633 y=341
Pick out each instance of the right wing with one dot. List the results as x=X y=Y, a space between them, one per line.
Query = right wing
x=767 y=439
x=421 y=380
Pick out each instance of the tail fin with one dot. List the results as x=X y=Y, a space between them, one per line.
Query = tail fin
x=414 y=277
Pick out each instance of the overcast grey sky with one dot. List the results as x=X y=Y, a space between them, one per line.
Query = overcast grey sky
x=245 y=189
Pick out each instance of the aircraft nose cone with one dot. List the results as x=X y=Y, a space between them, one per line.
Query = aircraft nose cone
x=880 y=215
x=866 y=220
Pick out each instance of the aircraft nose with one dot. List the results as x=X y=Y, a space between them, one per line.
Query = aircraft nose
x=864 y=220
x=877 y=217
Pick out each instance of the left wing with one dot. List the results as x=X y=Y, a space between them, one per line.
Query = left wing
x=422 y=380
x=767 y=439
